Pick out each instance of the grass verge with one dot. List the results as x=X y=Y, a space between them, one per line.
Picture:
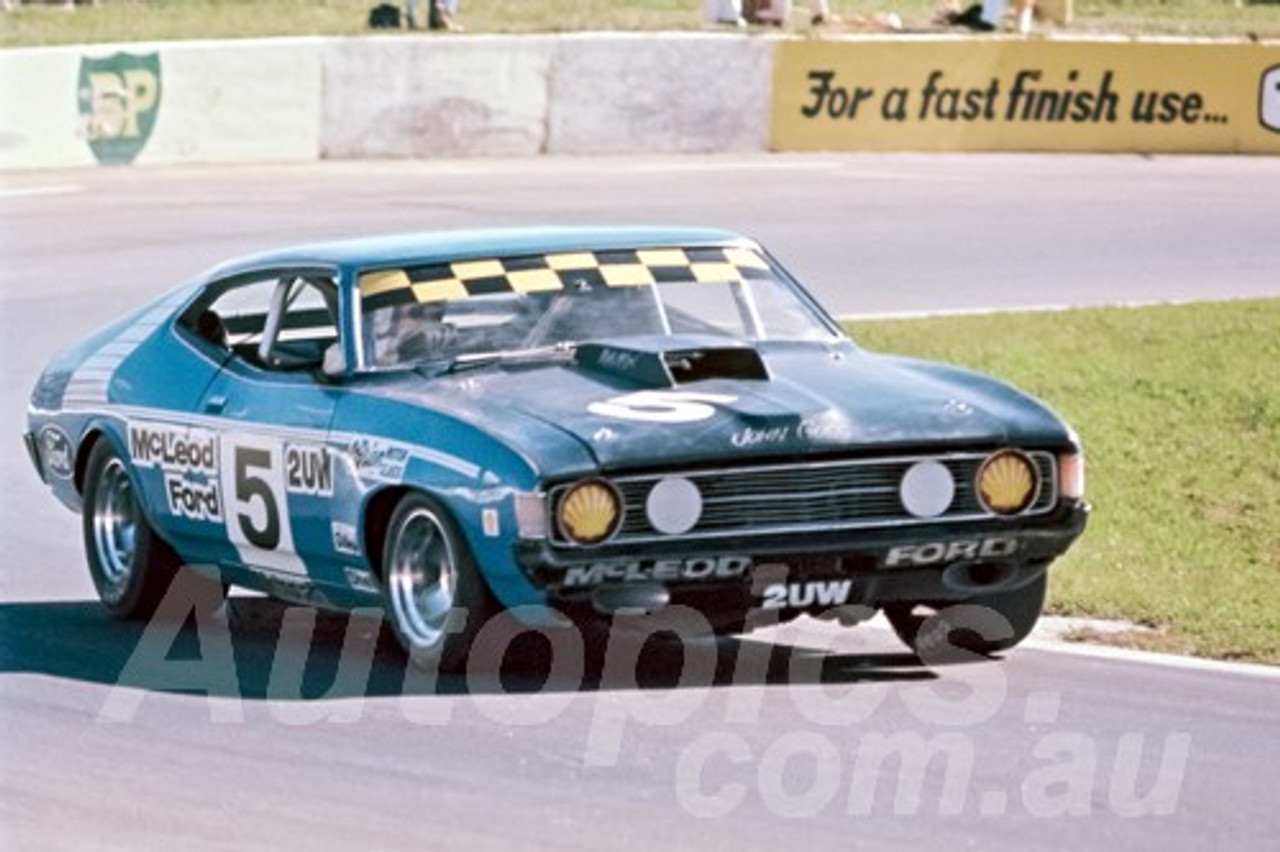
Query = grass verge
x=38 y=23
x=1179 y=411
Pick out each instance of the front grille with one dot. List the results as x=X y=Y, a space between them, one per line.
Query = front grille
x=820 y=497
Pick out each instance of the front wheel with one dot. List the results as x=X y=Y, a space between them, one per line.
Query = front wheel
x=435 y=598
x=974 y=628
x=131 y=566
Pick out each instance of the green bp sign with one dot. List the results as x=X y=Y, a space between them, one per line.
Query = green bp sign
x=119 y=97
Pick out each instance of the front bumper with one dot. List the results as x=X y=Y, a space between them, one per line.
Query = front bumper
x=926 y=563
x=33 y=452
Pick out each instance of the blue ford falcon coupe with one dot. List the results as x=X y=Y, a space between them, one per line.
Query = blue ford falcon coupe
x=569 y=423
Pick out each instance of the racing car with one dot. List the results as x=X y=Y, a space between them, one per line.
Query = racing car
x=568 y=424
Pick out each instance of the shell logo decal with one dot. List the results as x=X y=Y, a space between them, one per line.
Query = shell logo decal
x=589 y=513
x=1007 y=483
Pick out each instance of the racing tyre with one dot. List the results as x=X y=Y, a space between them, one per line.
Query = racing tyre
x=131 y=566
x=435 y=598
x=1020 y=607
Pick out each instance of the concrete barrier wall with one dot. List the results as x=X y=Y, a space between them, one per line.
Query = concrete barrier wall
x=685 y=93
x=573 y=94
x=255 y=101
x=436 y=97
x=288 y=100
x=184 y=102
x=40 y=126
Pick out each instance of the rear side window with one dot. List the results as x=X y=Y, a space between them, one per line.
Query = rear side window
x=237 y=318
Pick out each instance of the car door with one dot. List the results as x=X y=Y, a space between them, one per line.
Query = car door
x=271 y=409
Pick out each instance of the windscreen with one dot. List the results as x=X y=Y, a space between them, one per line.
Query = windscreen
x=440 y=312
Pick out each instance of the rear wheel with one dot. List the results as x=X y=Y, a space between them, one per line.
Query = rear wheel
x=435 y=598
x=131 y=566
x=1019 y=609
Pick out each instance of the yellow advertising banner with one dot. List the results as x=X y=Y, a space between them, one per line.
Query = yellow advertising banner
x=1026 y=95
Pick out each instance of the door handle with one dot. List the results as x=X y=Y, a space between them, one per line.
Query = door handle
x=215 y=404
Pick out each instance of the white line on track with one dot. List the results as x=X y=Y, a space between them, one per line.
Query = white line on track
x=1039 y=309
x=1047 y=638
x=730 y=166
x=898 y=177
x=30 y=191
x=1150 y=658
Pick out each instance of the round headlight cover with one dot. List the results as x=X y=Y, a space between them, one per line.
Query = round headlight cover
x=1008 y=483
x=674 y=505
x=927 y=489
x=589 y=512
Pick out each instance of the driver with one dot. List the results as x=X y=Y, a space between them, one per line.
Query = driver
x=410 y=333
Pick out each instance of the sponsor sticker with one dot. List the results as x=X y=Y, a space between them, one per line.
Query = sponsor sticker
x=618 y=360
x=173 y=448
x=361 y=580
x=662 y=570
x=345 y=539
x=189 y=498
x=943 y=552
x=807 y=594
x=188 y=458
x=308 y=470
x=379 y=461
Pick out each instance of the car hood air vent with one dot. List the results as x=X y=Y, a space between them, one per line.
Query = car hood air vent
x=692 y=365
x=667 y=362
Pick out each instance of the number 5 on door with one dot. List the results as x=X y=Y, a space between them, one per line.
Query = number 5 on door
x=257 y=514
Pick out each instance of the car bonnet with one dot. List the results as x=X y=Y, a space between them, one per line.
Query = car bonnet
x=780 y=401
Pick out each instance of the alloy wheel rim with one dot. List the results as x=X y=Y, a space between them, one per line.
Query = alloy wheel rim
x=116 y=523
x=422 y=578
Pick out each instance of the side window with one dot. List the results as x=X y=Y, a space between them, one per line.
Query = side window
x=242 y=313
x=302 y=322
x=277 y=323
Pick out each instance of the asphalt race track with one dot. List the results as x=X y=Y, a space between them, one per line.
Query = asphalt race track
x=270 y=735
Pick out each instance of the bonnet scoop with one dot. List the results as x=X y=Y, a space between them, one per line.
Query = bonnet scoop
x=664 y=362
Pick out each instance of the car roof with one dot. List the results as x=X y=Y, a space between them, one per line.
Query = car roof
x=444 y=246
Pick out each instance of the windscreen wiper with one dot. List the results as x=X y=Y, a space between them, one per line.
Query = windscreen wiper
x=555 y=352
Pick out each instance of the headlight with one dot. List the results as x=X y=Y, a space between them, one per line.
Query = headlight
x=1071 y=475
x=1007 y=483
x=589 y=512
